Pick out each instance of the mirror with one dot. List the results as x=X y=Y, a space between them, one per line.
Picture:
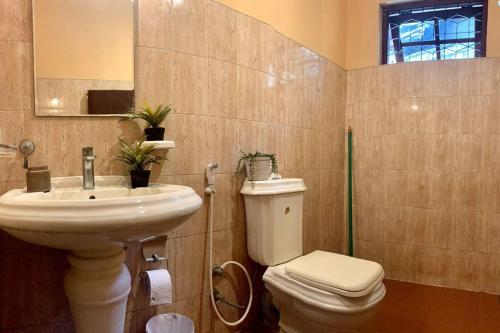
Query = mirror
x=83 y=57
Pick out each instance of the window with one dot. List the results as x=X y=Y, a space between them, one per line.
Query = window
x=434 y=30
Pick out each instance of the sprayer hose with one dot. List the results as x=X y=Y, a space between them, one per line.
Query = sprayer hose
x=223 y=266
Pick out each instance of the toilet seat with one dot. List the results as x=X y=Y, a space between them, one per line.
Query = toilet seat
x=277 y=277
x=337 y=273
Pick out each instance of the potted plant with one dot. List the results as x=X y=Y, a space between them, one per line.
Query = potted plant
x=138 y=156
x=153 y=118
x=259 y=166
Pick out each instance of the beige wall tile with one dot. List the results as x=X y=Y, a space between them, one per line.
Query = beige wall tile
x=189 y=26
x=326 y=187
x=295 y=148
x=190 y=266
x=469 y=190
x=154 y=23
x=16 y=22
x=491 y=192
x=228 y=209
x=372 y=151
x=492 y=153
x=273 y=91
x=375 y=118
x=313 y=155
x=470 y=152
x=327 y=113
x=492 y=120
x=393 y=227
x=297 y=56
x=369 y=224
x=190 y=86
x=470 y=227
x=419 y=189
x=396 y=187
x=273 y=51
x=443 y=190
x=491 y=233
x=471 y=117
x=396 y=151
x=154 y=77
x=443 y=230
x=466 y=270
x=326 y=228
x=190 y=153
x=222 y=144
x=17 y=84
x=312 y=196
x=248 y=41
x=296 y=96
x=326 y=150
x=443 y=119
x=249 y=140
x=442 y=152
x=490 y=82
x=373 y=193
x=196 y=223
x=311 y=231
x=488 y=276
x=248 y=93
x=338 y=187
x=222 y=78
x=221 y=32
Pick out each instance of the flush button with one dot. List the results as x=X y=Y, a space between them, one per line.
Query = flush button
x=287 y=210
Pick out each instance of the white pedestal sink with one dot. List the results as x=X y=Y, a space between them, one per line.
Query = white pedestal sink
x=94 y=225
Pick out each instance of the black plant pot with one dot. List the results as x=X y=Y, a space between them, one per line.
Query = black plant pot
x=154 y=133
x=140 y=178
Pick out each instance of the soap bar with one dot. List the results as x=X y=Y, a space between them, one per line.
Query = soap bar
x=38 y=179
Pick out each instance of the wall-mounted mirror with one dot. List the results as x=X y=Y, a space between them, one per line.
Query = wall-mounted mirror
x=83 y=57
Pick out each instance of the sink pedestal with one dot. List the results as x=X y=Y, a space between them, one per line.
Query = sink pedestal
x=97 y=285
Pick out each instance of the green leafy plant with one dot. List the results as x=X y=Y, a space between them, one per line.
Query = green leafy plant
x=137 y=155
x=250 y=157
x=153 y=117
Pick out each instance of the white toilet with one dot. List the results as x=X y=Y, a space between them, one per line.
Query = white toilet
x=317 y=293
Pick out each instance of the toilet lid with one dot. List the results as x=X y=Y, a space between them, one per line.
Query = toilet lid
x=336 y=273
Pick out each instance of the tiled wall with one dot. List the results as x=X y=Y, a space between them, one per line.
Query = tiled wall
x=427 y=170
x=69 y=96
x=235 y=83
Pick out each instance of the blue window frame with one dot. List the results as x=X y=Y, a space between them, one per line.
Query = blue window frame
x=434 y=30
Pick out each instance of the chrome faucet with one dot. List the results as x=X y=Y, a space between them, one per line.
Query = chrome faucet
x=88 y=159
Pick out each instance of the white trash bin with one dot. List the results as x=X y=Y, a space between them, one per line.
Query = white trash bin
x=170 y=323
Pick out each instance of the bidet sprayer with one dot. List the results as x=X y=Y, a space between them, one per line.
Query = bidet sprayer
x=209 y=173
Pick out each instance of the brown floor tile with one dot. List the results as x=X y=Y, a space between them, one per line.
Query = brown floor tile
x=415 y=308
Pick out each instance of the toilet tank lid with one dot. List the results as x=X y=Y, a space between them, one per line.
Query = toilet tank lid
x=274 y=186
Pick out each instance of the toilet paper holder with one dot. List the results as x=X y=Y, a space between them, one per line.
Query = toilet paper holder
x=155 y=258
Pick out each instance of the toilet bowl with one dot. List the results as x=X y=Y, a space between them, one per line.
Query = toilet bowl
x=307 y=303
x=320 y=292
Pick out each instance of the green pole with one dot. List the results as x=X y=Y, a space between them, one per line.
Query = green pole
x=349 y=193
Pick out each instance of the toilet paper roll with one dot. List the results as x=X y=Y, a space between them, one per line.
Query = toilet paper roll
x=158 y=287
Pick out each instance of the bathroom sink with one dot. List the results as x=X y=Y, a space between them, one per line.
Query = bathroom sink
x=94 y=225
x=71 y=218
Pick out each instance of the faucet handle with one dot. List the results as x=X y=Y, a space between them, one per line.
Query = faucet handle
x=88 y=151
x=26 y=147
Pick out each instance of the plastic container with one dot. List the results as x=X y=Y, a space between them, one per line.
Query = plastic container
x=170 y=323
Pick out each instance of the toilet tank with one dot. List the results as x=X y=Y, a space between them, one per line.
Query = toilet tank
x=274 y=210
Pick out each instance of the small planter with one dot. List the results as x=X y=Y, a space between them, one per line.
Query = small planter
x=140 y=178
x=154 y=133
x=258 y=169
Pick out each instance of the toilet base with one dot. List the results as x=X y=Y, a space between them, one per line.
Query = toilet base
x=299 y=317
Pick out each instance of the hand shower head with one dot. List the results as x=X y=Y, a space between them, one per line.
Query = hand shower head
x=209 y=173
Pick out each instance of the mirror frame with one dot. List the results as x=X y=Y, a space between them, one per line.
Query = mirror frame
x=134 y=54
